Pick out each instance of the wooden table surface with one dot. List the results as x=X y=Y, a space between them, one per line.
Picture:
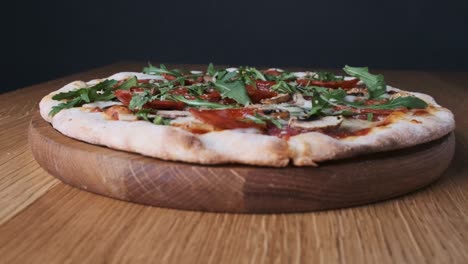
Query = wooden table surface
x=45 y=221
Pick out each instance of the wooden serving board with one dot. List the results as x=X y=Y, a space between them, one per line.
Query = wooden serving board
x=237 y=188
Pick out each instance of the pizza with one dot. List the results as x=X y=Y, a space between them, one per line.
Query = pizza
x=244 y=115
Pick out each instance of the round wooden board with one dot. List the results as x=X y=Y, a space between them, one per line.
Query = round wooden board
x=237 y=188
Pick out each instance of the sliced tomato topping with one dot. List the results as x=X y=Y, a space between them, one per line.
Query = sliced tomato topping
x=375 y=102
x=227 y=101
x=335 y=84
x=164 y=105
x=212 y=96
x=199 y=79
x=124 y=96
x=262 y=91
x=168 y=77
x=284 y=133
x=226 y=118
x=180 y=91
x=335 y=133
x=272 y=72
x=264 y=85
x=137 y=89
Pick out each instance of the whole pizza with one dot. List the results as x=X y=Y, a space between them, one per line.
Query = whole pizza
x=244 y=115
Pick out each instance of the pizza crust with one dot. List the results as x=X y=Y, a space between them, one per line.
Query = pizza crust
x=233 y=146
x=309 y=148
x=172 y=143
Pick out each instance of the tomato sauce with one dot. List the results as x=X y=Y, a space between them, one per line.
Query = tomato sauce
x=227 y=118
x=339 y=134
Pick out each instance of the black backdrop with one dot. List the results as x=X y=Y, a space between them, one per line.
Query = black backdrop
x=43 y=40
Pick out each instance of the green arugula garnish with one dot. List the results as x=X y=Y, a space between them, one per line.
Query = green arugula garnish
x=139 y=100
x=252 y=72
x=73 y=103
x=129 y=83
x=283 y=87
x=159 y=120
x=230 y=85
x=375 y=83
x=324 y=100
x=102 y=91
x=263 y=119
x=326 y=77
x=200 y=103
x=143 y=114
x=284 y=76
x=409 y=102
x=161 y=70
x=210 y=70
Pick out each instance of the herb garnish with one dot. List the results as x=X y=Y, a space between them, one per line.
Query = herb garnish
x=230 y=85
x=201 y=103
x=263 y=119
x=161 y=70
x=375 y=83
x=102 y=91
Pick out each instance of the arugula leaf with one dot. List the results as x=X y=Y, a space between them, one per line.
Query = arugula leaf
x=143 y=114
x=263 y=119
x=102 y=91
x=129 y=83
x=283 y=87
x=159 y=120
x=67 y=95
x=161 y=70
x=84 y=94
x=375 y=83
x=410 y=102
x=370 y=116
x=139 y=99
x=199 y=102
x=230 y=85
x=326 y=77
x=284 y=76
x=270 y=119
x=211 y=70
x=73 y=103
x=255 y=73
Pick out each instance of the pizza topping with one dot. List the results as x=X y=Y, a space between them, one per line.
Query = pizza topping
x=280 y=98
x=227 y=118
x=101 y=104
x=360 y=91
x=284 y=132
x=316 y=123
x=95 y=110
x=120 y=112
x=192 y=124
x=76 y=98
x=375 y=83
x=273 y=102
x=345 y=84
x=164 y=105
x=173 y=114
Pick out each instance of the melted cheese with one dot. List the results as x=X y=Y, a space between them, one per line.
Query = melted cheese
x=101 y=104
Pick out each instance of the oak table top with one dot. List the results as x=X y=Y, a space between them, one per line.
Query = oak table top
x=45 y=221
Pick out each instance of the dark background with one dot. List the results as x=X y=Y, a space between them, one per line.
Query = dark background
x=43 y=40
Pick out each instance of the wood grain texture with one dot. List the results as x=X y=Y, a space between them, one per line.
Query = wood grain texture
x=237 y=188
x=66 y=225
x=22 y=180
